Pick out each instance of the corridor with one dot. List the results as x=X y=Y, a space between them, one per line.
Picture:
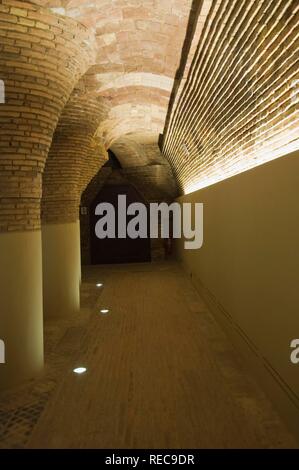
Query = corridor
x=149 y=224
x=160 y=372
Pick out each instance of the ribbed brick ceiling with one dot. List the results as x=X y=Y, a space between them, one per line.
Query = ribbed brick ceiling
x=239 y=106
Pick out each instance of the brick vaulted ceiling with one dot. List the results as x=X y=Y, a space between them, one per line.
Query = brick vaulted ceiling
x=219 y=79
x=138 y=53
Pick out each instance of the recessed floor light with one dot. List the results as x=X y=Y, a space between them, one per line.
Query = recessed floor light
x=104 y=311
x=80 y=370
x=99 y=285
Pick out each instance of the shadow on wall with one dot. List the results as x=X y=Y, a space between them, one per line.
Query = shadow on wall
x=152 y=183
x=117 y=250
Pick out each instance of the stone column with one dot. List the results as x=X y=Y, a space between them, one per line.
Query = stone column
x=61 y=268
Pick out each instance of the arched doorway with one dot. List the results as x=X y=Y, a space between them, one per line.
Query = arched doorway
x=118 y=250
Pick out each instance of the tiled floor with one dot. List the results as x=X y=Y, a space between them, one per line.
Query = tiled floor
x=21 y=408
x=161 y=373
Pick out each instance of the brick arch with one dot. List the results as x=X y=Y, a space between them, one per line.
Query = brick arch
x=128 y=118
x=137 y=95
x=147 y=34
x=75 y=156
x=130 y=151
x=137 y=149
x=42 y=57
x=138 y=55
x=104 y=82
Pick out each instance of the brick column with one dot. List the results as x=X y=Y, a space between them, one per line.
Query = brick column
x=42 y=56
x=74 y=158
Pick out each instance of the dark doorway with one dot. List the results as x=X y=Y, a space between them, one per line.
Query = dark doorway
x=118 y=250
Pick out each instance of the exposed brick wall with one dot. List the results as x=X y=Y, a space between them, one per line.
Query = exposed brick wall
x=132 y=33
x=42 y=56
x=238 y=107
x=74 y=158
x=138 y=149
x=90 y=166
x=155 y=183
x=139 y=52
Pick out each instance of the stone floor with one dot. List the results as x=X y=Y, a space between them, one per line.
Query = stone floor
x=160 y=373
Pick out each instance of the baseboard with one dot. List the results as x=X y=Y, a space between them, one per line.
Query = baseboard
x=284 y=399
